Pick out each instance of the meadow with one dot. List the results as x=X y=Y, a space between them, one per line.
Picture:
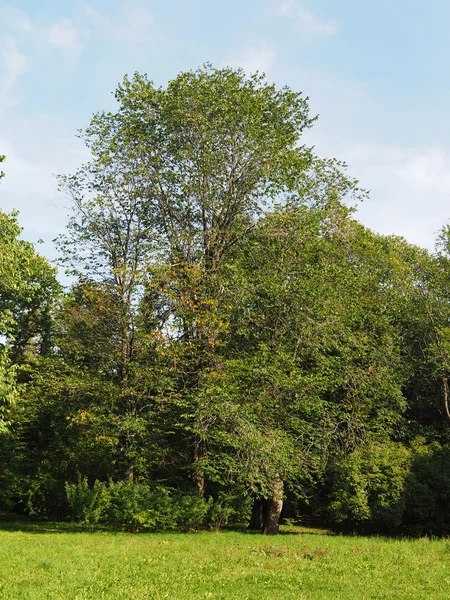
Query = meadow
x=63 y=562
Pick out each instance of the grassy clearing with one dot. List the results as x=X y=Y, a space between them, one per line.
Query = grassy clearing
x=57 y=562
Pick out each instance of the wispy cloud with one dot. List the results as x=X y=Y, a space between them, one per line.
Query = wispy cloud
x=306 y=19
x=64 y=35
x=134 y=22
x=138 y=21
x=13 y=64
x=402 y=181
x=36 y=147
x=259 y=57
x=14 y=18
x=94 y=15
x=429 y=170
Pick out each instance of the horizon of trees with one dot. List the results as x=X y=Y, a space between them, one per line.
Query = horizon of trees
x=234 y=339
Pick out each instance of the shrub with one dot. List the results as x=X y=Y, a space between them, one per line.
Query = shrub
x=139 y=506
x=369 y=488
x=190 y=511
x=87 y=505
x=228 y=508
x=428 y=491
x=135 y=506
x=389 y=488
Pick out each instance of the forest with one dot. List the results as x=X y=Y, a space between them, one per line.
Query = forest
x=234 y=348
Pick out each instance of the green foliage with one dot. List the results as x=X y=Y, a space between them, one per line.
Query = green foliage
x=86 y=504
x=369 y=488
x=137 y=506
x=28 y=289
x=233 y=139
x=389 y=488
x=229 y=509
x=233 y=330
x=8 y=390
x=190 y=510
x=427 y=495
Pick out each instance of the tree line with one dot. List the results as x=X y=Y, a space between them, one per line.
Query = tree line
x=233 y=341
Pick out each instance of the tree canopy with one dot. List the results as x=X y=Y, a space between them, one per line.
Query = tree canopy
x=234 y=339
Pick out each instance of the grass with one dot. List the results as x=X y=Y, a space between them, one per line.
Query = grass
x=56 y=561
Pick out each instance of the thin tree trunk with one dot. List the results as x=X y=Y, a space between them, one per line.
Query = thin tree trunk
x=274 y=508
x=198 y=475
x=446 y=394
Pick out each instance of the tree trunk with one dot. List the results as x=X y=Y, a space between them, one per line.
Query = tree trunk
x=130 y=474
x=273 y=511
x=446 y=394
x=199 y=482
x=198 y=475
x=256 y=520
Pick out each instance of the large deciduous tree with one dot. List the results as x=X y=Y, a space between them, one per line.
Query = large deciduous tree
x=177 y=177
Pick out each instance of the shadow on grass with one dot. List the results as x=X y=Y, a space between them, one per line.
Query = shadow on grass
x=288 y=530
x=24 y=525
x=27 y=526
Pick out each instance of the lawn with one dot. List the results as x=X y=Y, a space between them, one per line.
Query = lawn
x=55 y=561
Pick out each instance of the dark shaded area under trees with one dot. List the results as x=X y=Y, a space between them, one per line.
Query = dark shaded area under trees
x=233 y=336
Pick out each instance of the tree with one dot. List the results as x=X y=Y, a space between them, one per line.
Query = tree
x=177 y=178
x=28 y=292
x=208 y=149
x=313 y=349
x=432 y=335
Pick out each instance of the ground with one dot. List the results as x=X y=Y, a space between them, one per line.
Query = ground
x=63 y=562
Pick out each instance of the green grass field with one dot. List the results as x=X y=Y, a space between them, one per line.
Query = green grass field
x=51 y=561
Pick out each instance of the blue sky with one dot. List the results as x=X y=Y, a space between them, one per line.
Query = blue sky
x=375 y=72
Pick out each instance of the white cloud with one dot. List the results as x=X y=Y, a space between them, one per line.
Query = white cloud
x=306 y=19
x=15 y=18
x=409 y=189
x=429 y=170
x=60 y=34
x=64 y=35
x=409 y=184
x=35 y=148
x=259 y=57
x=13 y=64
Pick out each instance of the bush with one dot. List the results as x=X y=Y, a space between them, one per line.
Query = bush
x=135 y=506
x=139 y=506
x=87 y=505
x=228 y=508
x=428 y=491
x=388 y=488
x=190 y=511
x=369 y=488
